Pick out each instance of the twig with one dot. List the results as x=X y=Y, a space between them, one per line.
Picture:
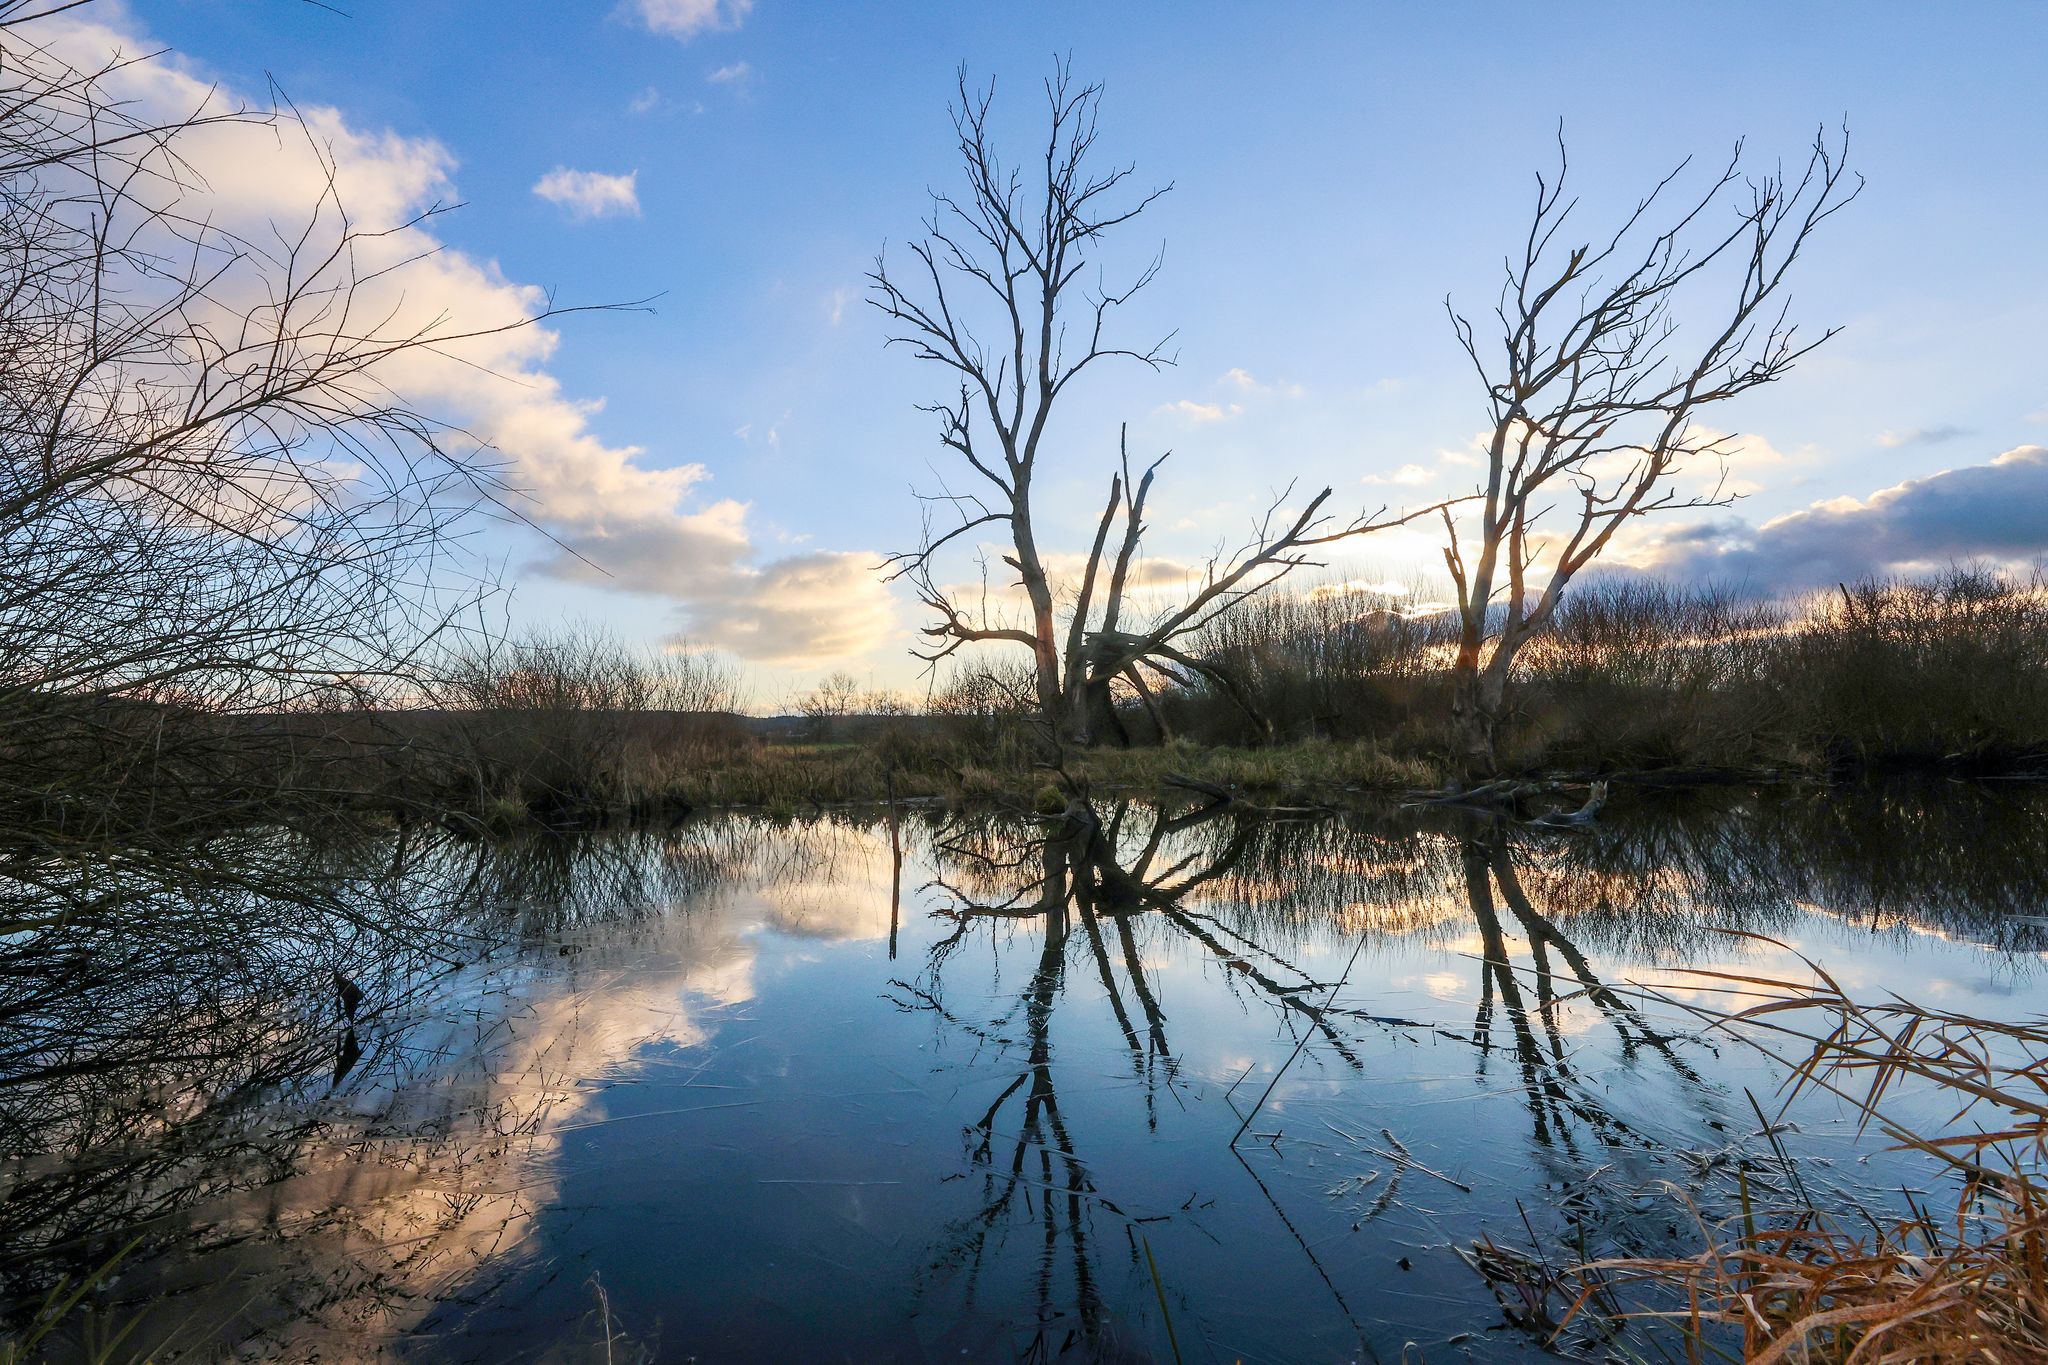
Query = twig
x=1299 y=1044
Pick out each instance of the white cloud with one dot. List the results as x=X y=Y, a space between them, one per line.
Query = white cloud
x=1734 y=459
x=1235 y=381
x=1201 y=412
x=1242 y=380
x=634 y=524
x=801 y=610
x=591 y=194
x=685 y=19
x=835 y=304
x=645 y=102
x=736 y=73
x=772 y=438
x=1407 y=476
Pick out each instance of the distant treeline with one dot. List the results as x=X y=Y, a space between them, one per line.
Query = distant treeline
x=1346 y=687
x=1636 y=673
x=1340 y=687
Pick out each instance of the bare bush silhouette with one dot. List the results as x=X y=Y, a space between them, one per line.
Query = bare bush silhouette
x=573 y=721
x=1632 y=673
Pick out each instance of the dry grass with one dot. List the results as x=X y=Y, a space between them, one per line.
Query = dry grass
x=1809 y=1284
x=797 y=776
x=1309 y=772
x=1816 y=1292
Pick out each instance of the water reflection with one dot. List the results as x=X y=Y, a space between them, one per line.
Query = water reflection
x=191 y=1086
x=1093 y=886
x=1101 y=877
x=911 y=1084
x=1032 y=1180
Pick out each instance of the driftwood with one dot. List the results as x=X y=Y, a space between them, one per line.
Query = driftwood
x=1218 y=794
x=1506 y=791
x=1577 y=819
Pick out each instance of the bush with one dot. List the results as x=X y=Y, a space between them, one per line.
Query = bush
x=574 y=721
x=1951 y=667
x=1634 y=673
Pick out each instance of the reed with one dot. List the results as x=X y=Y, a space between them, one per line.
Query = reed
x=1968 y=1283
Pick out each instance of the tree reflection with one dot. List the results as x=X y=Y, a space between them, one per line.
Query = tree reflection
x=1554 y=1094
x=1109 y=884
x=188 y=1071
x=1083 y=888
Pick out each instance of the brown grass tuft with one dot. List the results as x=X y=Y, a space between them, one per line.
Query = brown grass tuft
x=1802 y=1284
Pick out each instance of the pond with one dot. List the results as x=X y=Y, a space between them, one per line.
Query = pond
x=909 y=1085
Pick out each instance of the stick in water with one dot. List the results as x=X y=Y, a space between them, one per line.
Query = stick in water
x=1299 y=1043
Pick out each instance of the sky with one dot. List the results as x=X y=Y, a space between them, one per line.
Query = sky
x=730 y=462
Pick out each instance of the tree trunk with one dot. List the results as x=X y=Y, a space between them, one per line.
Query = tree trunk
x=1088 y=718
x=1105 y=726
x=1475 y=722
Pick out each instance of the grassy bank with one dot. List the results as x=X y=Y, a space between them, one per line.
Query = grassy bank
x=793 y=778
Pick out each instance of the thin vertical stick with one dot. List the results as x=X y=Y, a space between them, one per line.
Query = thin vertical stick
x=895 y=868
x=1299 y=1044
x=1159 y=1286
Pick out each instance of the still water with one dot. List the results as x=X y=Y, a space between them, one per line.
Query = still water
x=916 y=1086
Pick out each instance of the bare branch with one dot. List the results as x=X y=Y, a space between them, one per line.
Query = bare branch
x=1595 y=399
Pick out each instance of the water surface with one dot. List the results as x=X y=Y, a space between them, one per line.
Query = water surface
x=911 y=1086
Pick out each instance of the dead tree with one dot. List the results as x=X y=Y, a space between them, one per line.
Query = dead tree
x=1595 y=394
x=1007 y=295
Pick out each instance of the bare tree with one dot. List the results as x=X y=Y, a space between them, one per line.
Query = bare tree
x=213 y=503
x=1006 y=293
x=827 y=705
x=1596 y=392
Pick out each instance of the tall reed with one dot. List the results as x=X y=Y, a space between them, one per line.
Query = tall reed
x=1802 y=1282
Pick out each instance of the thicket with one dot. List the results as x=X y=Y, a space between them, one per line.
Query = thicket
x=1351 y=691
x=1951 y=668
x=561 y=723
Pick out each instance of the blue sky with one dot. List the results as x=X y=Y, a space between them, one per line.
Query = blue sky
x=1337 y=170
